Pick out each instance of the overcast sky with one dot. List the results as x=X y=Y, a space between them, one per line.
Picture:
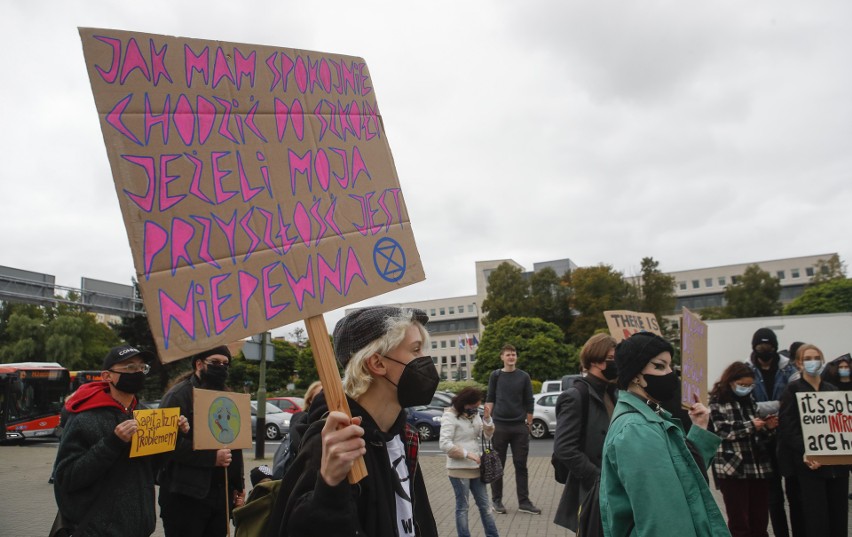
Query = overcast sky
x=701 y=134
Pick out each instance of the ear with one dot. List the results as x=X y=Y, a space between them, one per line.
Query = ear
x=375 y=365
x=106 y=375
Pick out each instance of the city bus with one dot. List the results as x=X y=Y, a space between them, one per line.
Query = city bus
x=31 y=398
x=78 y=378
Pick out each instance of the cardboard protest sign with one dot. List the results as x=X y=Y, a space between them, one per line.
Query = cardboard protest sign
x=826 y=419
x=222 y=419
x=693 y=351
x=256 y=183
x=157 y=433
x=624 y=323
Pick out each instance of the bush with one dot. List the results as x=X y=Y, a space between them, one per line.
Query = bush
x=536 y=384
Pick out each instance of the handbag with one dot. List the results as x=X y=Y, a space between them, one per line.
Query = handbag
x=589 y=513
x=490 y=467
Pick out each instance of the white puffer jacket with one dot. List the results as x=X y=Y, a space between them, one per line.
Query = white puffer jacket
x=460 y=436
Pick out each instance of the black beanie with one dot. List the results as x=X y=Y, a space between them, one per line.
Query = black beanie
x=764 y=335
x=221 y=349
x=361 y=327
x=634 y=353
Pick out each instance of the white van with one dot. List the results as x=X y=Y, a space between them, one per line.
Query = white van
x=551 y=386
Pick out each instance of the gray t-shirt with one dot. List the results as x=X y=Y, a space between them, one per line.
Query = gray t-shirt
x=511 y=393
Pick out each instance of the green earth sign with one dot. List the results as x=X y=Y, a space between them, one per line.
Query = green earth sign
x=224 y=420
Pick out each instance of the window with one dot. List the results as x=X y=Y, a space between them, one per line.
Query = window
x=453 y=359
x=735 y=279
x=453 y=343
x=452 y=310
x=472 y=358
x=434 y=344
x=442 y=311
x=809 y=272
x=432 y=312
x=443 y=344
x=470 y=308
x=461 y=309
x=708 y=282
x=780 y=274
x=721 y=281
x=695 y=284
x=794 y=273
x=461 y=358
x=435 y=360
x=682 y=286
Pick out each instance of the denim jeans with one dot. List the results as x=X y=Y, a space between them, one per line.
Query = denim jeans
x=480 y=495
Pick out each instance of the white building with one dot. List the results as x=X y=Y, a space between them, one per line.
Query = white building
x=455 y=324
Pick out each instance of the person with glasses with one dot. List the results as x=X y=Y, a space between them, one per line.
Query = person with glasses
x=192 y=485
x=94 y=470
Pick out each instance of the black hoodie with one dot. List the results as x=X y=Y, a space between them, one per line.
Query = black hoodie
x=365 y=509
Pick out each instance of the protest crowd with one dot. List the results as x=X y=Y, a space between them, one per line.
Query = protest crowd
x=633 y=459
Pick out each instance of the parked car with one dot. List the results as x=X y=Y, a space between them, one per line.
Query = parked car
x=544 y=415
x=441 y=400
x=277 y=421
x=426 y=420
x=288 y=404
x=551 y=386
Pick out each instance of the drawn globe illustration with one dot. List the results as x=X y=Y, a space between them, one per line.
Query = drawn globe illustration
x=224 y=420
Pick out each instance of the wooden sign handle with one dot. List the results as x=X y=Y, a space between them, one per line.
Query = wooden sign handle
x=332 y=385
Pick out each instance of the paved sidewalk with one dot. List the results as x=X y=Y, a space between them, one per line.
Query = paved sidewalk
x=27 y=505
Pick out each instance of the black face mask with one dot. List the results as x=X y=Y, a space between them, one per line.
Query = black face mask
x=470 y=412
x=418 y=382
x=661 y=387
x=765 y=356
x=130 y=382
x=214 y=376
x=611 y=371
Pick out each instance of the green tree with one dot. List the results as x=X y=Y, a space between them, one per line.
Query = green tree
x=754 y=295
x=826 y=270
x=595 y=290
x=549 y=299
x=656 y=289
x=507 y=294
x=23 y=334
x=833 y=296
x=541 y=349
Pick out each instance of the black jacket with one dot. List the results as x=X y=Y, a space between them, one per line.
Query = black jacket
x=97 y=481
x=578 y=445
x=366 y=509
x=189 y=472
x=791 y=442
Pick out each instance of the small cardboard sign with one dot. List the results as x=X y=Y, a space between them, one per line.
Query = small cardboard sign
x=157 y=433
x=693 y=351
x=221 y=420
x=256 y=183
x=826 y=420
x=624 y=323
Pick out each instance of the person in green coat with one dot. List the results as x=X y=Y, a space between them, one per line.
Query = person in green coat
x=651 y=484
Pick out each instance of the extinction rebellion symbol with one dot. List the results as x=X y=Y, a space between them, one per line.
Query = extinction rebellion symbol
x=389 y=260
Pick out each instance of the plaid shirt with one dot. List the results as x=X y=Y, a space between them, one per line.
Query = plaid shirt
x=411 y=441
x=743 y=453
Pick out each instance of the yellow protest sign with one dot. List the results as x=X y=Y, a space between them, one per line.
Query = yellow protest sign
x=157 y=433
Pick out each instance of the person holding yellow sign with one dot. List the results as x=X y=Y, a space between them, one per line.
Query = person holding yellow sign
x=94 y=471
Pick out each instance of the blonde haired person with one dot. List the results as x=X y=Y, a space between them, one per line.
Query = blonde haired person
x=823 y=489
x=382 y=352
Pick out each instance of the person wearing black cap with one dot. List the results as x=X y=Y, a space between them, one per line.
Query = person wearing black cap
x=94 y=470
x=650 y=482
x=192 y=485
x=382 y=352
x=772 y=373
